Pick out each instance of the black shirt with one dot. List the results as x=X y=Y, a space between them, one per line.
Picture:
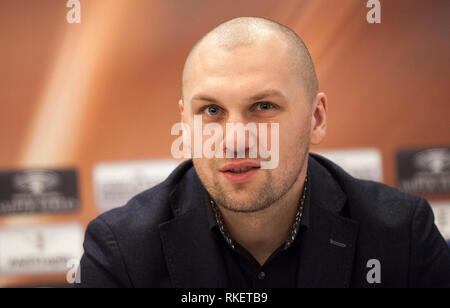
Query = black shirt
x=280 y=269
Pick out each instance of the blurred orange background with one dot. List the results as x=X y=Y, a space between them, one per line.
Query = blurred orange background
x=73 y=95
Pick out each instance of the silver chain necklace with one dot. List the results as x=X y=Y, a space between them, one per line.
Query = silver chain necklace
x=294 y=228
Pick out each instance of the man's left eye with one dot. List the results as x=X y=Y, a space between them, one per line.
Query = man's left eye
x=264 y=106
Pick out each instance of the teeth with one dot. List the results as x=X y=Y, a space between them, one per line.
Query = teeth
x=241 y=170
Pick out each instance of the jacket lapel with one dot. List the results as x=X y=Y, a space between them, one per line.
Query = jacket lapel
x=192 y=254
x=329 y=243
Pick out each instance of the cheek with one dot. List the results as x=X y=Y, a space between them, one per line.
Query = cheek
x=293 y=139
x=204 y=166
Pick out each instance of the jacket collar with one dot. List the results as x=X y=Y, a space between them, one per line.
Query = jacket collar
x=192 y=253
x=328 y=246
x=193 y=256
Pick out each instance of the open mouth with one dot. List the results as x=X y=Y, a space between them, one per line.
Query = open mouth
x=241 y=170
x=238 y=172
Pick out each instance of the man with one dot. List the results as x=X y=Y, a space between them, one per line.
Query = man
x=227 y=222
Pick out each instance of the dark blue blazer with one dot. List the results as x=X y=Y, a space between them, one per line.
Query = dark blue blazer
x=161 y=238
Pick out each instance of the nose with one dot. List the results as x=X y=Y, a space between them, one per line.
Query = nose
x=240 y=138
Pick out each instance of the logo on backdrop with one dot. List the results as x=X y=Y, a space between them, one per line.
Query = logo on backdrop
x=40 y=249
x=424 y=170
x=361 y=163
x=36 y=191
x=36 y=182
x=441 y=211
x=433 y=161
x=117 y=182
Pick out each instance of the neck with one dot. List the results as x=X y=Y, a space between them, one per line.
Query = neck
x=264 y=231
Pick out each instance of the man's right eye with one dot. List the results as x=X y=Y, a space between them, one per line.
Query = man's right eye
x=212 y=110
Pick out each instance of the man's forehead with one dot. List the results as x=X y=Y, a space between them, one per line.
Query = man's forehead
x=250 y=63
x=211 y=53
x=248 y=47
x=245 y=74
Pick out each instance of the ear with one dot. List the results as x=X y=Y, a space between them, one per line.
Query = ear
x=319 y=119
x=181 y=107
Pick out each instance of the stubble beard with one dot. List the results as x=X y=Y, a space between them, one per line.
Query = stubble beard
x=267 y=195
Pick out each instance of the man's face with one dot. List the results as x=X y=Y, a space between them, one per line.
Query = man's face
x=253 y=83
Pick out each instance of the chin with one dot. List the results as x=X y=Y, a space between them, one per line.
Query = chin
x=240 y=203
x=245 y=209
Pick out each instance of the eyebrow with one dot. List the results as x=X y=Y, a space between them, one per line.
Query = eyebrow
x=203 y=97
x=259 y=96
x=266 y=94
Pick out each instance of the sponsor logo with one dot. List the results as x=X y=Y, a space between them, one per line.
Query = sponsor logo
x=441 y=211
x=117 y=182
x=364 y=163
x=434 y=161
x=36 y=181
x=37 y=191
x=39 y=249
x=424 y=170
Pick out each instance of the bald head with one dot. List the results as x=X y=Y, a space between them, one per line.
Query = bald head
x=248 y=31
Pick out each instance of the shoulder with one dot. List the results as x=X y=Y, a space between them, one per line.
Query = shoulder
x=394 y=227
x=372 y=201
x=146 y=211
